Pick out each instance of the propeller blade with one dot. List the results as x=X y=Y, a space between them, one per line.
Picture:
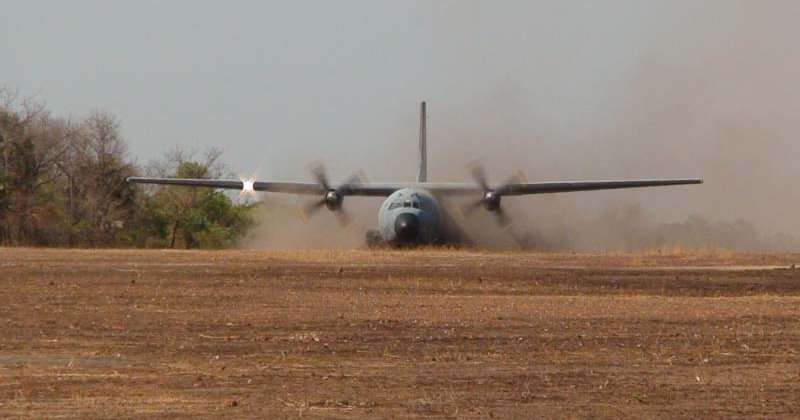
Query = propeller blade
x=479 y=174
x=517 y=178
x=320 y=175
x=357 y=178
x=310 y=209
x=470 y=208
x=502 y=219
x=344 y=217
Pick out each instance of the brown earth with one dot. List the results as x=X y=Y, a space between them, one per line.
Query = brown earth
x=426 y=333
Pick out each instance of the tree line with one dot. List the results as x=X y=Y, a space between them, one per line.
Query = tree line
x=62 y=183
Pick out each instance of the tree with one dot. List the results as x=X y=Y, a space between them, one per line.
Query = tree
x=33 y=143
x=193 y=217
x=5 y=199
x=63 y=182
x=99 y=203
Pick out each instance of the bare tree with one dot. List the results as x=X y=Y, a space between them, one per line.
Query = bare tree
x=35 y=141
x=95 y=167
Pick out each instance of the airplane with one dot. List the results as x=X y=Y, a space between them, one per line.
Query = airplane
x=412 y=213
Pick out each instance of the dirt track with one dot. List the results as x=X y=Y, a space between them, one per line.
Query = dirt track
x=397 y=334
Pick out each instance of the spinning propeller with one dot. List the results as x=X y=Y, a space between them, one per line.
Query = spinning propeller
x=332 y=198
x=491 y=196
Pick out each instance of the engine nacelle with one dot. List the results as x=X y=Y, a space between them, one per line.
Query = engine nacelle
x=333 y=200
x=491 y=200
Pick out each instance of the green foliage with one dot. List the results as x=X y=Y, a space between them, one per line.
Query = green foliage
x=62 y=183
x=192 y=170
x=193 y=217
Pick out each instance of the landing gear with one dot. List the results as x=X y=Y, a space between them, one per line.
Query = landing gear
x=374 y=239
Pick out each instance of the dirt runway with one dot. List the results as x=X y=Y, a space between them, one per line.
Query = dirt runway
x=395 y=334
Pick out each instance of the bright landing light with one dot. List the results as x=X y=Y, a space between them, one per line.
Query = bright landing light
x=248 y=189
x=247 y=185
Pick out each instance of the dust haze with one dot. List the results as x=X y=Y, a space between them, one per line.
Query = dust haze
x=709 y=90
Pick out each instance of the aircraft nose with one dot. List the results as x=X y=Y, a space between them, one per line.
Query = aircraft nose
x=406 y=226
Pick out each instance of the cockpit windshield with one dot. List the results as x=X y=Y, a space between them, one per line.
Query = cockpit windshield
x=416 y=204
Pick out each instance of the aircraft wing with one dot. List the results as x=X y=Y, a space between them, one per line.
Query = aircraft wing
x=523 y=188
x=230 y=184
x=568 y=186
x=383 y=189
x=374 y=189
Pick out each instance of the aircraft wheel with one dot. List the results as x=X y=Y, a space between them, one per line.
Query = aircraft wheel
x=374 y=239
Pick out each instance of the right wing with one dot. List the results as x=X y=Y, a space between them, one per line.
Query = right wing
x=568 y=186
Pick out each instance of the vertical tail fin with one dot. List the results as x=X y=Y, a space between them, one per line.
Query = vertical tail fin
x=422 y=175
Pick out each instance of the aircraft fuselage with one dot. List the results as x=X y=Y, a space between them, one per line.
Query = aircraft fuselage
x=410 y=216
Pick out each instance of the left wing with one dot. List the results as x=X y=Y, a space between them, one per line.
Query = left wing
x=371 y=189
x=310 y=188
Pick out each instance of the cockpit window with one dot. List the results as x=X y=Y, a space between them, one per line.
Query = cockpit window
x=405 y=204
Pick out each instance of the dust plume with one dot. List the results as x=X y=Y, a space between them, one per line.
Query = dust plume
x=711 y=93
x=687 y=89
x=281 y=226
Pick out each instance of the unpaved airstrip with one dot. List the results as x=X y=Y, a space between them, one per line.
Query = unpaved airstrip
x=397 y=334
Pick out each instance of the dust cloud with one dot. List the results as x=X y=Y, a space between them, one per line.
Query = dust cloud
x=280 y=225
x=707 y=90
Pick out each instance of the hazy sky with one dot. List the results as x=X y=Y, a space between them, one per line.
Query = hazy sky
x=266 y=78
x=561 y=89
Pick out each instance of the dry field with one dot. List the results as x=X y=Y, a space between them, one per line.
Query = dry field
x=394 y=334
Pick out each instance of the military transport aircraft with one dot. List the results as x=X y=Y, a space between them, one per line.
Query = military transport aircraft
x=411 y=213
